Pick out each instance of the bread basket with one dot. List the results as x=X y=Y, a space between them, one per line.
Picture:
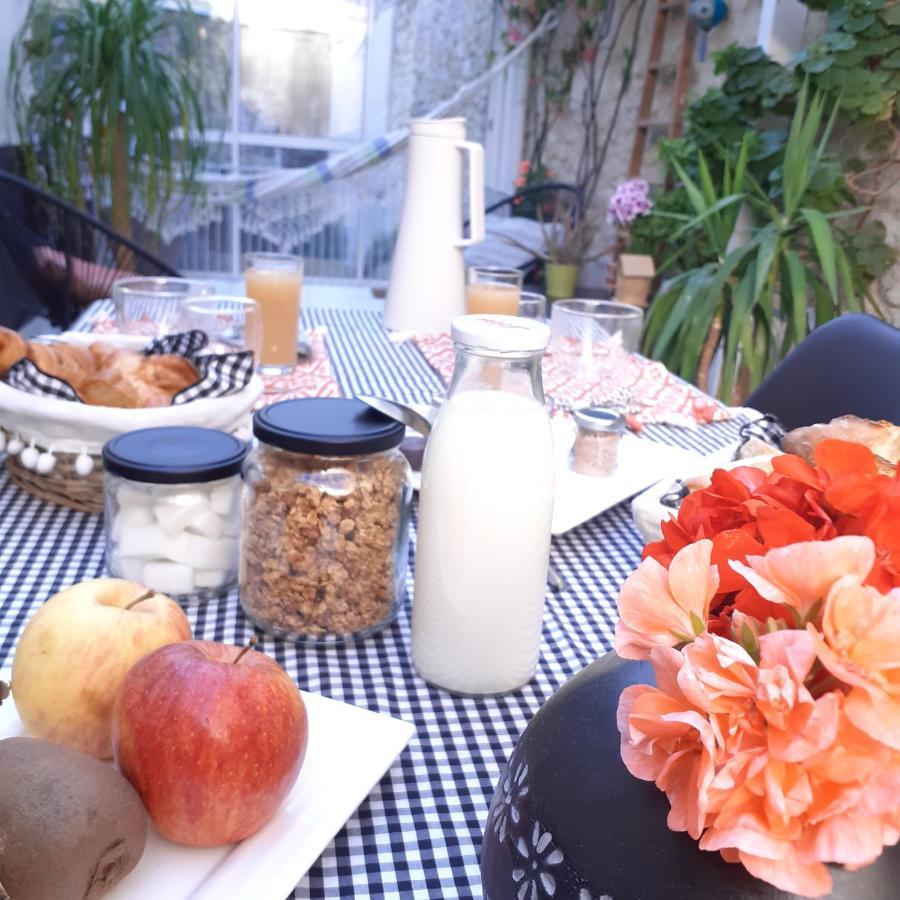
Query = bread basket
x=53 y=446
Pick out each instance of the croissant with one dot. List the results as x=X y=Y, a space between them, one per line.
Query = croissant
x=103 y=375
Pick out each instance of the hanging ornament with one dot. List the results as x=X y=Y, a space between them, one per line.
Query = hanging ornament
x=2 y=440
x=15 y=445
x=84 y=464
x=706 y=14
x=29 y=456
x=45 y=462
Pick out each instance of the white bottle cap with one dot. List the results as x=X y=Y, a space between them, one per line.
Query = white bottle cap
x=501 y=334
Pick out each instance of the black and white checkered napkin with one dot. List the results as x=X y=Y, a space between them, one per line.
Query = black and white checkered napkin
x=221 y=374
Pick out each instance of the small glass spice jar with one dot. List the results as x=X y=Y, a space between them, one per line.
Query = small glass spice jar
x=172 y=504
x=596 y=447
x=327 y=499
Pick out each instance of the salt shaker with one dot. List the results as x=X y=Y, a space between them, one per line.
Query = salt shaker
x=486 y=503
x=596 y=447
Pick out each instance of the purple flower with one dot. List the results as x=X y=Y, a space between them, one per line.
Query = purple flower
x=629 y=200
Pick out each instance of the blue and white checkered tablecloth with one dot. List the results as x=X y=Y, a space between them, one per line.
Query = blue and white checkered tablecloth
x=419 y=832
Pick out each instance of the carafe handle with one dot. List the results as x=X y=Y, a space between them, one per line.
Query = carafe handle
x=476 y=193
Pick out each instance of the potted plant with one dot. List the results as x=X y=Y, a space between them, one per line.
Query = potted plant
x=754 y=300
x=107 y=96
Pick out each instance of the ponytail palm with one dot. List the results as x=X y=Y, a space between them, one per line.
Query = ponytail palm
x=107 y=93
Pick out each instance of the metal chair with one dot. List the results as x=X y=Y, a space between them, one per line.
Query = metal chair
x=850 y=365
x=55 y=259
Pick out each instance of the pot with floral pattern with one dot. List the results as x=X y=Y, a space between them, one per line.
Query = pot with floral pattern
x=568 y=821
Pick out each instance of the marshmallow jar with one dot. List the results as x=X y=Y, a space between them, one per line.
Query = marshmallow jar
x=172 y=504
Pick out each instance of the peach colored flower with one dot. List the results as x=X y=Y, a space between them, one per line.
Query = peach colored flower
x=666 y=607
x=860 y=645
x=666 y=740
x=800 y=575
x=757 y=767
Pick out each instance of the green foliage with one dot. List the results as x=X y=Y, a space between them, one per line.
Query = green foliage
x=855 y=66
x=758 y=294
x=858 y=59
x=108 y=92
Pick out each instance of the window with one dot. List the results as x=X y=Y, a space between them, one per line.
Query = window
x=297 y=76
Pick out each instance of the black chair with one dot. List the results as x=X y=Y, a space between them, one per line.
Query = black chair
x=850 y=365
x=55 y=259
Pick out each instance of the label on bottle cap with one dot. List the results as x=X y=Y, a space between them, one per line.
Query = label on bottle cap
x=503 y=334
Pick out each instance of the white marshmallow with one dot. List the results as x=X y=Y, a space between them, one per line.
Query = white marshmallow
x=212 y=553
x=176 y=513
x=177 y=548
x=223 y=499
x=129 y=496
x=210 y=578
x=169 y=577
x=143 y=541
x=130 y=517
x=207 y=523
x=130 y=568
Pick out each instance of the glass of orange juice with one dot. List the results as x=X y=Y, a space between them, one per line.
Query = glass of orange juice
x=493 y=290
x=274 y=281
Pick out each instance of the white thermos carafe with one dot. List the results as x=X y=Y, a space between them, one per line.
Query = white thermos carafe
x=427 y=285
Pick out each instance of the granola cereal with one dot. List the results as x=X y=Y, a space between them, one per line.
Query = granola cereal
x=325 y=541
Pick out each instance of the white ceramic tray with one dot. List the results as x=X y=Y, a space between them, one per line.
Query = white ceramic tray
x=349 y=751
x=641 y=462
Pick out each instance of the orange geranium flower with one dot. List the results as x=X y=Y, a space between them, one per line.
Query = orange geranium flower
x=745 y=512
x=758 y=768
x=661 y=607
x=860 y=645
x=801 y=575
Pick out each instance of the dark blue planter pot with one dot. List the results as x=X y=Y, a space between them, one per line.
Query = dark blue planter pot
x=568 y=820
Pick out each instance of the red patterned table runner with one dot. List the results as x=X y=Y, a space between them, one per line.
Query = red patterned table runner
x=646 y=390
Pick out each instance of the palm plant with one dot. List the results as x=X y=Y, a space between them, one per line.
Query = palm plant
x=108 y=94
x=755 y=300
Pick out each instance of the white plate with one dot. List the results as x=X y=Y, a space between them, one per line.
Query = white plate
x=641 y=462
x=349 y=751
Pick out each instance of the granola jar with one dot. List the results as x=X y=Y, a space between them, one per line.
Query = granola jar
x=326 y=510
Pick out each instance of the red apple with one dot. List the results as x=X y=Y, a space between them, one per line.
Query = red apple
x=212 y=737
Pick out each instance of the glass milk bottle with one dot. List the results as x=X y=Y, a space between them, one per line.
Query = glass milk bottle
x=486 y=503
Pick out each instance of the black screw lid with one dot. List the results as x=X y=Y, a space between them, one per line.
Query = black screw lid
x=174 y=455
x=326 y=426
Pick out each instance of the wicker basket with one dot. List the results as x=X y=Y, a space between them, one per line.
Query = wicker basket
x=63 y=486
x=67 y=430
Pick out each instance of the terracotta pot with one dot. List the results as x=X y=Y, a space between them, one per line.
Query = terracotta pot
x=568 y=820
x=560 y=280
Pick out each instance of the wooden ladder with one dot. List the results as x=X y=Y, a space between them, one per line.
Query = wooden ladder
x=646 y=123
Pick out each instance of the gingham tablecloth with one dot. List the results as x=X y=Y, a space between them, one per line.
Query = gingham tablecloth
x=419 y=832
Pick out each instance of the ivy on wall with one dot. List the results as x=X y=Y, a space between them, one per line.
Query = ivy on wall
x=856 y=62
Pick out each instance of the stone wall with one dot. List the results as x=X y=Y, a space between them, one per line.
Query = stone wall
x=438 y=46
x=564 y=145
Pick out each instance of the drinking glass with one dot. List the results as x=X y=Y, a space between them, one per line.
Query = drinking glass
x=494 y=290
x=275 y=281
x=589 y=337
x=153 y=306
x=232 y=324
x=533 y=306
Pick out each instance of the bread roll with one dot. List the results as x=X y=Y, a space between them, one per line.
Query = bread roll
x=882 y=438
x=12 y=349
x=103 y=375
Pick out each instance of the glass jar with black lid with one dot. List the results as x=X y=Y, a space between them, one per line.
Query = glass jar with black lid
x=326 y=513
x=172 y=507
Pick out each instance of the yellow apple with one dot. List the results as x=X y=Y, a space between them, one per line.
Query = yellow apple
x=77 y=649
